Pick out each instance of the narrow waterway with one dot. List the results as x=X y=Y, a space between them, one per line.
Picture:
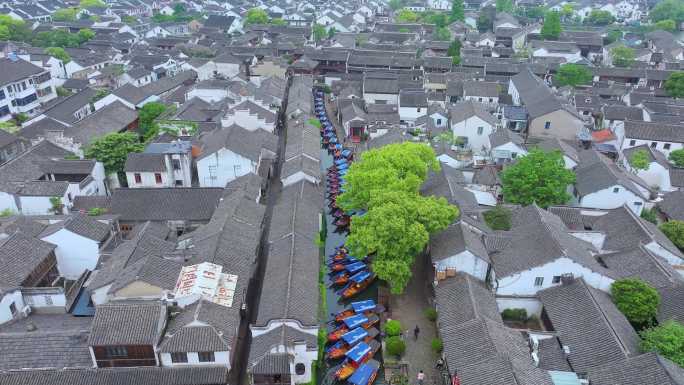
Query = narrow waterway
x=334 y=304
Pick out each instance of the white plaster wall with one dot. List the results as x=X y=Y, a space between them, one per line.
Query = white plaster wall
x=465 y=262
x=660 y=146
x=660 y=251
x=523 y=283
x=9 y=298
x=468 y=128
x=7 y=202
x=228 y=166
x=249 y=121
x=74 y=252
x=147 y=179
x=411 y=113
x=220 y=359
x=386 y=98
x=99 y=295
x=607 y=199
x=531 y=304
x=208 y=95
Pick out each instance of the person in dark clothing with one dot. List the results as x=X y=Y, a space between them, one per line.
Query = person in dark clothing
x=415 y=332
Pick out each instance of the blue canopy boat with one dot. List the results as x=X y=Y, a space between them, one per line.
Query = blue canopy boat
x=357 y=283
x=356 y=356
x=365 y=374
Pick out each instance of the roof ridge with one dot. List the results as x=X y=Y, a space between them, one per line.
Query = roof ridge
x=623 y=347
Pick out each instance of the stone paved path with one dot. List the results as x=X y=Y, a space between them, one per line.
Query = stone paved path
x=409 y=309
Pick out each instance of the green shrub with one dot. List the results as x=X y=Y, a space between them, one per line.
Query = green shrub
x=437 y=345
x=514 y=315
x=392 y=328
x=498 y=218
x=95 y=211
x=431 y=314
x=395 y=346
x=6 y=213
x=650 y=215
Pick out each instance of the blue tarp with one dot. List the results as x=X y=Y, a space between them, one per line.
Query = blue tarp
x=355 y=321
x=354 y=336
x=355 y=267
x=359 y=351
x=363 y=374
x=361 y=306
x=341 y=161
x=360 y=277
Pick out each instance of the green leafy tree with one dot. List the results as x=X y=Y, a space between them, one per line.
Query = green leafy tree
x=179 y=9
x=393 y=328
x=572 y=75
x=439 y=19
x=442 y=34
x=319 y=32
x=639 y=160
x=622 y=56
x=65 y=14
x=331 y=32
x=636 y=299
x=406 y=16
x=396 y=4
x=256 y=16
x=534 y=13
x=504 y=6
x=674 y=85
x=146 y=116
x=457 y=11
x=129 y=19
x=668 y=9
x=677 y=157
x=551 y=29
x=278 y=21
x=59 y=53
x=539 y=177
x=85 y=35
x=666 y=340
x=666 y=25
x=57 y=207
x=674 y=230
x=395 y=346
x=430 y=314
x=398 y=221
x=484 y=23
x=113 y=149
x=92 y=4
x=613 y=36
x=567 y=10
x=599 y=17
x=498 y=218
x=11 y=29
x=437 y=345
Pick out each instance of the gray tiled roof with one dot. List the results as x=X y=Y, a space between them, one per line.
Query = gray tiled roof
x=463 y=298
x=12 y=71
x=113 y=117
x=672 y=205
x=20 y=254
x=133 y=376
x=24 y=224
x=64 y=166
x=262 y=344
x=646 y=369
x=641 y=263
x=161 y=204
x=64 y=110
x=483 y=351
x=462 y=111
x=477 y=88
x=671 y=303
x=595 y=332
x=82 y=225
x=551 y=355
x=454 y=240
x=27 y=166
x=239 y=140
x=142 y=162
x=624 y=230
x=603 y=174
x=537 y=237
x=202 y=326
x=44 y=349
x=654 y=131
x=127 y=324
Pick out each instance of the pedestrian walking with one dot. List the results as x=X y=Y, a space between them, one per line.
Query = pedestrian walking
x=415 y=332
x=421 y=377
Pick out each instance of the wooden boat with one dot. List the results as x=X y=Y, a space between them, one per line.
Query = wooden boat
x=343 y=221
x=357 y=283
x=353 y=322
x=336 y=266
x=366 y=308
x=349 y=270
x=349 y=340
x=365 y=374
x=355 y=357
